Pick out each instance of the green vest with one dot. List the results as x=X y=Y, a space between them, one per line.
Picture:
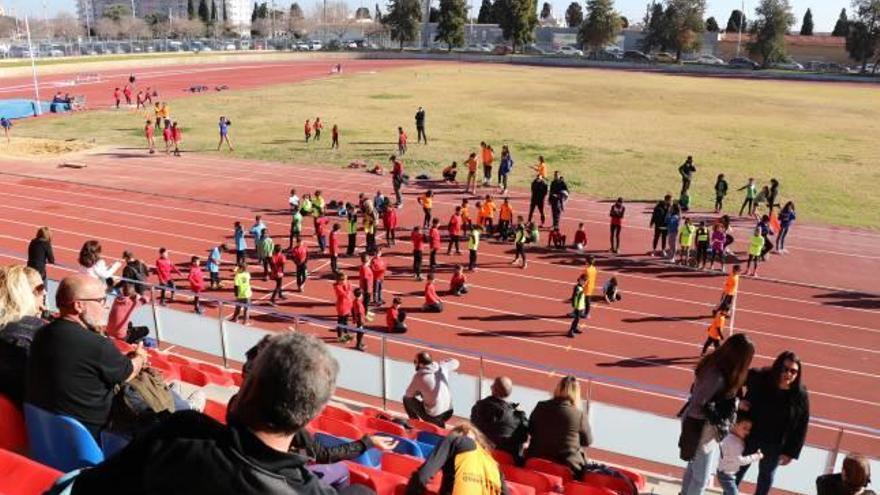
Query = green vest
x=296 y=223
x=579 y=301
x=352 y=226
x=267 y=245
x=306 y=207
x=702 y=235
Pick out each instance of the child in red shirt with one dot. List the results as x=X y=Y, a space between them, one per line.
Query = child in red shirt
x=378 y=267
x=148 y=133
x=365 y=275
x=433 y=304
x=168 y=136
x=455 y=230
x=118 y=97
x=401 y=141
x=395 y=317
x=580 y=238
x=556 y=239
x=126 y=91
x=300 y=256
x=177 y=137
x=358 y=314
x=389 y=220
x=333 y=248
x=344 y=300
x=307 y=129
x=457 y=286
x=434 y=238
x=417 y=240
x=318 y=125
x=196 y=282
x=276 y=266
x=164 y=269
x=321 y=223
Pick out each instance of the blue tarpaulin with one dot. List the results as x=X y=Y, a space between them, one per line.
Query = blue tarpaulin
x=20 y=108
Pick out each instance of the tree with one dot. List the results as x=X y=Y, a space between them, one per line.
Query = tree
x=712 y=25
x=546 y=11
x=377 y=16
x=807 y=24
x=362 y=13
x=601 y=25
x=655 y=32
x=254 y=13
x=133 y=27
x=450 y=23
x=213 y=12
x=116 y=11
x=736 y=22
x=574 y=15
x=106 y=28
x=624 y=22
x=773 y=18
x=684 y=25
x=403 y=20
x=188 y=28
x=65 y=26
x=486 y=14
x=863 y=36
x=191 y=9
x=842 y=25
x=296 y=12
x=433 y=14
x=204 y=14
x=517 y=19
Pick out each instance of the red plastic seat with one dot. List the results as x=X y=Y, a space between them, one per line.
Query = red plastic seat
x=617 y=485
x=519 y=488
x=237 y=379
x=541 y=482
x=194 y=376
x=174 y=358
x=341 y=414
x=13 y=433
x=169 y=371
x=503 y=457
x=578 y=488
x=372 y=412
x=337 y=428
x=637 y=478
x=384 y=426
x=19 y=474
x=406 y=465
x=425 y=426
x=123 y=346
x=550 y=467
x=379 y=481
x=215 y=410
x=211 y=369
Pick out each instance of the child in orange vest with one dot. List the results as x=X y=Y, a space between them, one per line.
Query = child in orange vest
x=715 y=332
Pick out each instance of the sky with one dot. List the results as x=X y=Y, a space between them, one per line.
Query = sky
x=825 y=12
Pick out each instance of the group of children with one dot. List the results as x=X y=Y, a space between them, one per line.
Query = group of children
x=316 y=127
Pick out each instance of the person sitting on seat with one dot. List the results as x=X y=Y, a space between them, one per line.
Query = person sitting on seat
x=559 y=428
x=501 y=421
x=853 y=479
x=427 y=397
x=21 y=302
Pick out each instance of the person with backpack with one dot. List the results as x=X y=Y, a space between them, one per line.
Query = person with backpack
x=465 y=459
x=503 y=423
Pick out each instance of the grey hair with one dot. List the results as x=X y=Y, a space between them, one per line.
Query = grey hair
x=291 y=379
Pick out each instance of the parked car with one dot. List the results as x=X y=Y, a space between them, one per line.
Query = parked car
x=636 y=56
x=533 y=49
x=708 y=60
x=502 y=50
x=743 y=63
x=664 y=58
x=790 y=65
x=569 y=51
x=606 y=55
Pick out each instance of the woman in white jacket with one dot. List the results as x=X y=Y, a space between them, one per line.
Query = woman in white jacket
x=93 y=264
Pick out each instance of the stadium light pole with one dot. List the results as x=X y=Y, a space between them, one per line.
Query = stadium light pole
x=38 y=109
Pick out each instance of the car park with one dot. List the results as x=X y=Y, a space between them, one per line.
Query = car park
x=664 y=58
x=569 y=51
x=743 y=63
x=636 y=56
x=708 y=60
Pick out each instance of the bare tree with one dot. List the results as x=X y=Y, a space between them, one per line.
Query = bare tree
x=65 y=26
x=133 y=28
x=338 y=18
x=106 y=28
x=188 y=28
x=261 y=27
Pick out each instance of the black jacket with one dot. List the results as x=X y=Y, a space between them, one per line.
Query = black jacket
x=557 y=187
x=191 y=453
x=778 y=417
x=304 y=443
x=503 y=424
x=658 y=216
x=539 y=191
x=15 y=344
x=39 y=254
x=444 y=457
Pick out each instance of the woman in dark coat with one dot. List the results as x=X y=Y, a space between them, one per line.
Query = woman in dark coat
x=779 y=406
x=559 y=428
x=40 y=251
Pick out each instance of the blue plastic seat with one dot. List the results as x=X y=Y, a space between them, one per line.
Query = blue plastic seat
x=371 y=458
x=405 y=446
x=429 y=438
x=112 y=443
x=426 y=448
x=60 y=441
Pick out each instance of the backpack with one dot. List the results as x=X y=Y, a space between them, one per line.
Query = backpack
x=596 y=468
x=140 y=403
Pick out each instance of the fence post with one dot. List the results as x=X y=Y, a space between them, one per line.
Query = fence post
x=832 y=456
x=384 y=377
x=589 y=391
x=480 y=381
x=296 y=323
x=222 y=326
x=155 y=315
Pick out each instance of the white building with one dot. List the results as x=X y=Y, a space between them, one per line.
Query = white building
x=238 y=15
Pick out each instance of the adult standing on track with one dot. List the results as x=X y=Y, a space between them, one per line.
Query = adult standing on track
x=558 y=194
x=718 y=379
x=504 y=168
x=224 y=133
x=487 y=155
x=720 y=192
x=617 y=212
x=658 y=221
x=686 y=170
x=396 y=179
x=539 y=194
x=420 y=126
x=779 y=406
x=786 y=218
x=40 y=251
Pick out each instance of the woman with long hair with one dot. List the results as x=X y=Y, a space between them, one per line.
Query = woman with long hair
x=40 y=251
x=93 y=264
x=711 y=408
x=778 y=403
x=467 y=464
x=786 y=218
x=560 y=429
x=21 y=301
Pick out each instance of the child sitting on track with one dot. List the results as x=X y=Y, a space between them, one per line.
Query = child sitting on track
x=458 y=283
x=395 y=317
x=556 y=239
x=611 y=291
x=580 y=237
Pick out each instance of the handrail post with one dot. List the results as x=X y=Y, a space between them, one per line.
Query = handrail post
x=480 y=380
x=384 y=377
x=832 y=457
x=296 y=323
x=222 y=327
x=155 y=315
x=589 y=391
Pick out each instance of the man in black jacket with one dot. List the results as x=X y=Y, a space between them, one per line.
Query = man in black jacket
x=502 y=423
x=686 y=170
x=135 y=270
x=658 y=221
x=290 y=381
x=539 y=194
x=420 y=125
x=558 y=195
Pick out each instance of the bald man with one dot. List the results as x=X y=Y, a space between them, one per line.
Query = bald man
x=500 y=420
x=72 y=368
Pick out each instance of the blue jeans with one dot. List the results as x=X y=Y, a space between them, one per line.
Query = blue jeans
x=766 y=466
x=705 y=460
x=780 y=239
x=377 y=291
x=727 y=482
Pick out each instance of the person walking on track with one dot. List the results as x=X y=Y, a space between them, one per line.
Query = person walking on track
x=434 y=244
x=617 y=212
x=396 y=179
x=715 y=332
x=728 y=293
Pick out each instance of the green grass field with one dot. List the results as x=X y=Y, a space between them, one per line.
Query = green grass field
x=611 y=133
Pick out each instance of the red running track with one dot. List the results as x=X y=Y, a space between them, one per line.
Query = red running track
x=818 y=300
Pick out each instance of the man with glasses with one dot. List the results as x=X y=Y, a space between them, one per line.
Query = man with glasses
x=73 y=369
